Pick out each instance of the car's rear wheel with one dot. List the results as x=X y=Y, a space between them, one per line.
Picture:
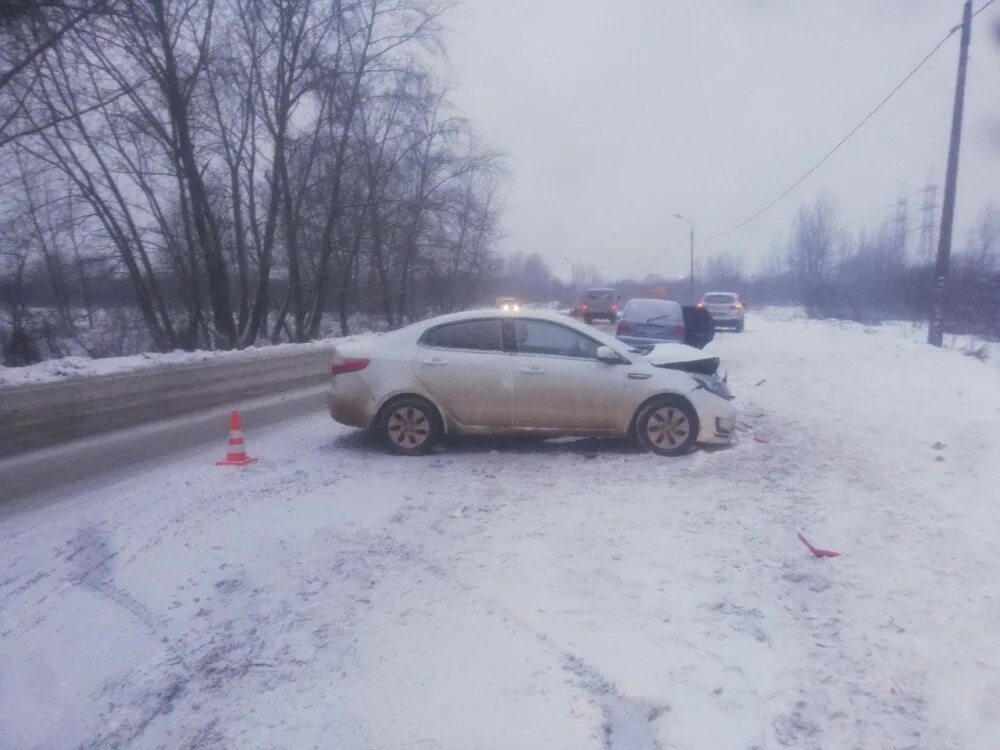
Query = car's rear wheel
x=739 y=327
x=668 y=426
x=410 y=426
x=588 y=319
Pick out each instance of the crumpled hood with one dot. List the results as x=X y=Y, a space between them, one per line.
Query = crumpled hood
x=682 y=357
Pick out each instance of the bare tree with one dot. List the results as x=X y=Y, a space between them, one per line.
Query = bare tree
x=30 y=29
x=815 y=237
x=243 y=168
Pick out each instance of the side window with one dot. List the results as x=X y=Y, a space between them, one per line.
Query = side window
x=479 y=335
x=542 y=337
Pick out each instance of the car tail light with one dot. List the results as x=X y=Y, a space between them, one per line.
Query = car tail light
x=340 y=365
x=679 y=329
x=624 y=327
x=736 y=306
x=583 y=306
x=614 y=308
x=701 y=305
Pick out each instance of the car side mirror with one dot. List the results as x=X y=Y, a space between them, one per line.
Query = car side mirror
x=607 y=355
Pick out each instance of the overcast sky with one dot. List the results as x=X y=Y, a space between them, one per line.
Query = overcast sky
x=617 y=115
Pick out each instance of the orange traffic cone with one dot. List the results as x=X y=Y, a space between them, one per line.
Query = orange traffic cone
x=237 y=455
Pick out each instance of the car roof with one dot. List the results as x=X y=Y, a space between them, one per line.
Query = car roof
x=731 y=294
x=655 y=300
x=635 y=306
x=417 y=329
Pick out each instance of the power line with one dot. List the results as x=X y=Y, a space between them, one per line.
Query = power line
x=850 y=134
x=976 y=13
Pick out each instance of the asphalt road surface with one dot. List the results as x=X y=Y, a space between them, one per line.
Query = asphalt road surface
x=31 y=479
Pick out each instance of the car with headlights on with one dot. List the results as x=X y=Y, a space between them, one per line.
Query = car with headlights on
x=490 y=372
x=509 y=304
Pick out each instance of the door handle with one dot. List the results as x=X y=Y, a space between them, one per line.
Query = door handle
x=433 y=362
x=532 y=371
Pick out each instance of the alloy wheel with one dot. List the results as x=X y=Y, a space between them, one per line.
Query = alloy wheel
x=668 y=427
x=408 y=427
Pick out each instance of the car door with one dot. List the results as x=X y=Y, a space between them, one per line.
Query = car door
x=464 y=367
x=559 y=384
x=699 y=329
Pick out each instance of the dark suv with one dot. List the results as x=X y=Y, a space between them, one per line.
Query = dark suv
x=598 y=303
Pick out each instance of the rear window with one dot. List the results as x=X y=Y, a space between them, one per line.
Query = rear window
x=478 y=335
x=604 y=294
x=715 y=299
x=644 y=309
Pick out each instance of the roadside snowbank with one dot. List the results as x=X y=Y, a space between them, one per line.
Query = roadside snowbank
x=971 y=346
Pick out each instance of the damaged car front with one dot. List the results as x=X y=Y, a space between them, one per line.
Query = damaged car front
x=708 y=393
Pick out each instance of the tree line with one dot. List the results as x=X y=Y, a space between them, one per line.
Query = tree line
x=228 y=172
x=879 y=274
x=875 y=274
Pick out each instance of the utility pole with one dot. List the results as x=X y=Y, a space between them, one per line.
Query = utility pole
x=935 y=331
x=691 y=274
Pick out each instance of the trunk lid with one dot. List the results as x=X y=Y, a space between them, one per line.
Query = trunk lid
x=657 y=330
x=719 y=309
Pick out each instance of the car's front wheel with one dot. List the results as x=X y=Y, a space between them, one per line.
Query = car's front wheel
x=668 y=426
x=410 y=426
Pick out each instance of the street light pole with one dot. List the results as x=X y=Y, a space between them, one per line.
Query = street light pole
x=691 y=274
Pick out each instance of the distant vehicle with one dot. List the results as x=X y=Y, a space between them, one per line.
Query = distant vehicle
x=509 y=304
x=598 y=303
x=726 y=309
x=537 y=373
x=645 y=322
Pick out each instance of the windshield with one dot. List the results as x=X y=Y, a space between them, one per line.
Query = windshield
x=488 y=375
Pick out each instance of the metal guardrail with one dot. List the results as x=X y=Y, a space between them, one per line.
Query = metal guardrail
x=39 y=416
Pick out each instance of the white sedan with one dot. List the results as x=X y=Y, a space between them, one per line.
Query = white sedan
x=531 y=372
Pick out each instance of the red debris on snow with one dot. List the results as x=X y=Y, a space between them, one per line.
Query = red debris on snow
x=818 y=552
x=761 y=439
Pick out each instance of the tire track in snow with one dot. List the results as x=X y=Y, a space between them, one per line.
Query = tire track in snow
x=628 y=722
x=839 y=691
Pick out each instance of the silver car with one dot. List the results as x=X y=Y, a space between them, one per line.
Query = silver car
x=726 y=309
x=531 y=372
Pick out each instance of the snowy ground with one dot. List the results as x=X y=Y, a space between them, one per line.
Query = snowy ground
x=573 y=595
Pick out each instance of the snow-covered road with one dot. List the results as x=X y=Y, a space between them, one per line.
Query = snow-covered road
x=569 y=595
